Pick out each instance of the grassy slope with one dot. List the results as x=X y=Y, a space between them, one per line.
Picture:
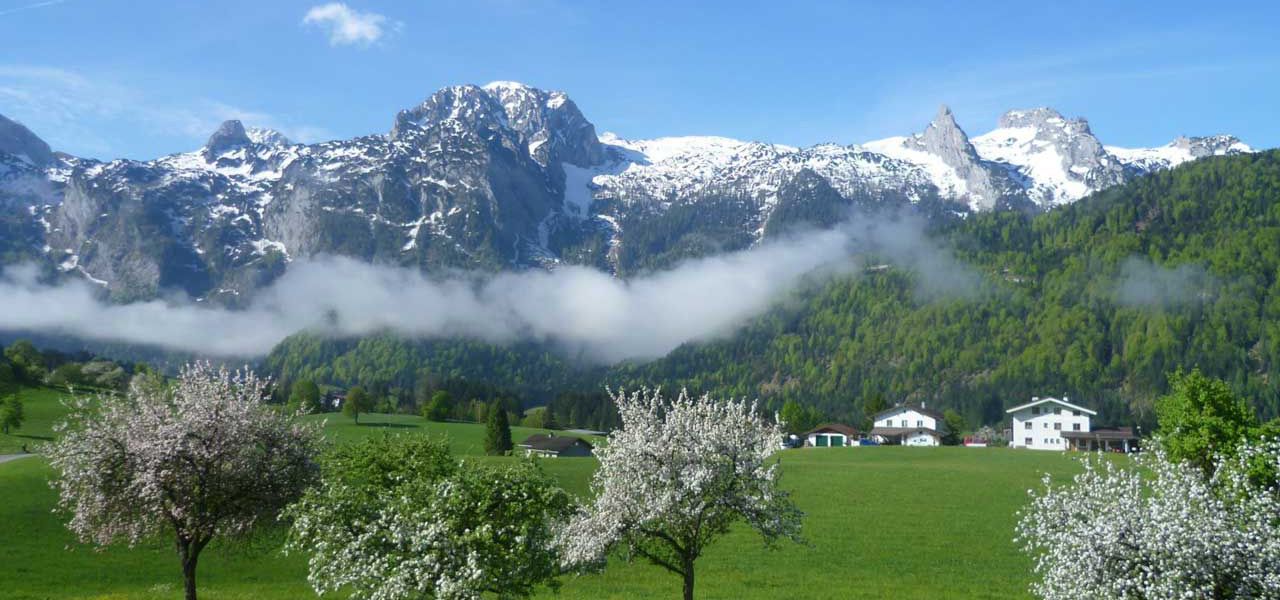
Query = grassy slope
x=902 y=522
x=42 y=409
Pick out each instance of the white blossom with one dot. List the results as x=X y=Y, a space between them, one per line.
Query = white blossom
x=203 y=459
x=674 y=477
x=1156 y=529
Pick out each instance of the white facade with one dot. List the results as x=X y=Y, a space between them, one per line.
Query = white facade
x=905 y=416
x=922 y=438
x=1039 y=424
x=910 y=425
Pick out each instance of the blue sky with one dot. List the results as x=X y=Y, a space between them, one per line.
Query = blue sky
x=139 y=79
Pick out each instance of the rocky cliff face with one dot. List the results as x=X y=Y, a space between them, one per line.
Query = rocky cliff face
x=18 y=142
x=954 y=163
x=509 y=176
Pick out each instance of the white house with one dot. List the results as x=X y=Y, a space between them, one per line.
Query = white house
x=908 y=425
x=1042 y=423
x=831 y=435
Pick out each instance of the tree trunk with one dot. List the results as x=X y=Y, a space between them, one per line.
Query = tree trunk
x=189 y=554
x=189 y=578
x=688 y=580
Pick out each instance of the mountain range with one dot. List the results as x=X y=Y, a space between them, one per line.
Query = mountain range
x=508 y=176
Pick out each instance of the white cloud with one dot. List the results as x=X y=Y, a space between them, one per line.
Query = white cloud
x=347 y=26
x=588 y=313
x=31 y=6
x=68 y=110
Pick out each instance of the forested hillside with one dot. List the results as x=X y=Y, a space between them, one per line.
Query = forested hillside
x=1098 y=300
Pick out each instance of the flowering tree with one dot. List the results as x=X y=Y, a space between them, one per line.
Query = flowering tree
x=204 y=458
x=1157 y=529
x=674 y=478
x=398 y=518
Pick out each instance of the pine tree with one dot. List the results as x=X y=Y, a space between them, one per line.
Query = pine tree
x=497 y=439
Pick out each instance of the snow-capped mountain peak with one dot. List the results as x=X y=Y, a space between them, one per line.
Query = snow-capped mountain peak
x=1180 y=150
x=949 y=158
x=506 y=175
x=267 y=137
x=1058 y=159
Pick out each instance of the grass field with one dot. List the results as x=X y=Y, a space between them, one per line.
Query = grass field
x=42 y=409
x=900 y=522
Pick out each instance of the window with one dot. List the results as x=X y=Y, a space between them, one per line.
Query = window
x=1075 y=427
x=1035 y=410
x=1026 y=425
x=919 y=423
x=1075 y=413
x=1027 y=442
x=1057 y=426
x=1046 y=424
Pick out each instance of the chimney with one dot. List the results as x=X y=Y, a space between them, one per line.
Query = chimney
x=924 y=405
x=1035 y=398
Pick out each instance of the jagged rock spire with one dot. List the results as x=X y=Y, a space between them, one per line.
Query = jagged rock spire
x=229 y=135
x=17 y=140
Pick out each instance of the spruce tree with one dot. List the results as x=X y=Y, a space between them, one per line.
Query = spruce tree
x=11 y=415
x=497 y=439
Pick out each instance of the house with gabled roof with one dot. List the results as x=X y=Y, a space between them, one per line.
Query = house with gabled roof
x=552 y=446
x=1048 y=423
x=908 y=425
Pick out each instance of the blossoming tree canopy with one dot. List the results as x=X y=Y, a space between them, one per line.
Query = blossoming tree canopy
x=1157 y=529
x=399 y=517
x=203 y=458
x=674 y=478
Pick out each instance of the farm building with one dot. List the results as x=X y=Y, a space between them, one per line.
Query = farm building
x=1047 y=423
x=908 y=425
x=552 y=446
x=831 y=435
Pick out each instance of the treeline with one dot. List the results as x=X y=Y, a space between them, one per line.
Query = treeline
x=1096 y=301
x=23 y=364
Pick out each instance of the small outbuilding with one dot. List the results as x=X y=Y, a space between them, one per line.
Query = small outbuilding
x=554 y=446
x=831 y=435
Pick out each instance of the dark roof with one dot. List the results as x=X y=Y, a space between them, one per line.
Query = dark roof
x=833 y=428
x=903 y=431
x=916 y=407
x=1119 y=433
x=550 y=443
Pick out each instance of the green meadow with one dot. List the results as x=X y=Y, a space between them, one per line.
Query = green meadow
x=880 y=522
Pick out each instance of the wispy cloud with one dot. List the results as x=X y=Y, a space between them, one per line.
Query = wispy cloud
x=347 y=26
x=68 y=110
x=31 y=6
x=587 y=313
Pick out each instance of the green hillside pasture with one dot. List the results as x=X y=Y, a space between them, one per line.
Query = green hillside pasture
x=43 y=409
x=901 y=522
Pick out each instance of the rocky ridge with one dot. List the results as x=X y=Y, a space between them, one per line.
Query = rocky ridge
x=510 y=176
